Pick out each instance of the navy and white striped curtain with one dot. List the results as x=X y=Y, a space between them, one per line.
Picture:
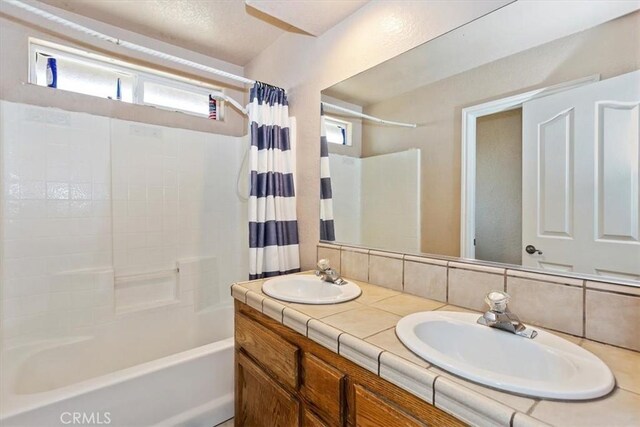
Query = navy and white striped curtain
x=273 y=225
x=327 y=231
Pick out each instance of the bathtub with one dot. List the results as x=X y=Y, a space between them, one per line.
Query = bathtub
x=179 y=374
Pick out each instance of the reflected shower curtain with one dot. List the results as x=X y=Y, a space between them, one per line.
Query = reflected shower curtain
x=327 y=231
x=273 y=225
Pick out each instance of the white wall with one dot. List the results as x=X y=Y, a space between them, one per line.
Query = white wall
x=305 y=65
x=346 y=177
x=89 y=203
x=391 y=218
x=368 y=208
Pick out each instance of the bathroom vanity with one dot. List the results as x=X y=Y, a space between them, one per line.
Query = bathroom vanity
x=343 y=365
x=285 y=379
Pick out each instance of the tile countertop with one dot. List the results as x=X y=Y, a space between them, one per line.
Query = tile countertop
x=363 y=331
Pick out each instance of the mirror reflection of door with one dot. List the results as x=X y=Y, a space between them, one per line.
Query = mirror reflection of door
x=557 y=181
x=580 y=179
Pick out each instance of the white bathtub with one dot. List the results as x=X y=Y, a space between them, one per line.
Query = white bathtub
x=113 y=379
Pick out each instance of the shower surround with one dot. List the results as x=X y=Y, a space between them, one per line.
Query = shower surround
x=112 y=227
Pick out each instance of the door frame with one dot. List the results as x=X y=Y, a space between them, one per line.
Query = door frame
x=468 y=162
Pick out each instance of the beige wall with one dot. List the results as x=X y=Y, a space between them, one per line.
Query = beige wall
x=499 y=187
x=610 y=50
x=305 y=65
x=15 y=29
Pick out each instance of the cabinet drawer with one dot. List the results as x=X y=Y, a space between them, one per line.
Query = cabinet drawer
x=373 y=411
x=323 y=386
x=275 y=354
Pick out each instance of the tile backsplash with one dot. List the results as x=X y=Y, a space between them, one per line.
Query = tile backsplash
x=600 y=311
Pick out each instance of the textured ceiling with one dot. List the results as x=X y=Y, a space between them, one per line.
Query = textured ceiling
x=224 y=29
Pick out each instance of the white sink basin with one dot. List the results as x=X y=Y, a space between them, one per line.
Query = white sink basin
x=546 y=366
x=309 y=289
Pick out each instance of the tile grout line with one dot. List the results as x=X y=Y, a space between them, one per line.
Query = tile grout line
x=433 y=397
x=505 y=281
x=584 y=308
x=447 y=290
x=379 y=357
x=530 y=410
x=307 y=326
x=403 y=257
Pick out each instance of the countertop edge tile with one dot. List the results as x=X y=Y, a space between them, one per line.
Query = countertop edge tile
x=323 y=334
x=272 y=309
x=239 y=292
x=470 y=406
x=254 y=300
x=415 y=379
x=360 y=352
x=295 y=320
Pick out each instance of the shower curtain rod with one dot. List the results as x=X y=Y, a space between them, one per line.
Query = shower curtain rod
x=368 y=117
x=128 y=45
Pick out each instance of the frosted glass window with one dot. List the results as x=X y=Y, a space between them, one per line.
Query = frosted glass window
x=97 y=75
x=338 y=131
x=175 y=98
x=85 y=77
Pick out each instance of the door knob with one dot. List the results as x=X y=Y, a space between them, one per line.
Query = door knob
x=530 y=249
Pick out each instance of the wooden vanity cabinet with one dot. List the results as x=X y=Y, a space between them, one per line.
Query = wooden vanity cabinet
x=283 y=379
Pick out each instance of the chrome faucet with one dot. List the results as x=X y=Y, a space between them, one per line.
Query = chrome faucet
x=500 y=317
x=328 y=274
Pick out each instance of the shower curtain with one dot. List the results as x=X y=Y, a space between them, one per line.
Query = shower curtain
x=273 y=225
x=327 y=231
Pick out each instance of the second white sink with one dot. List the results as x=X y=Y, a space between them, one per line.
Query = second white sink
x=546 y=366
x=307 y=289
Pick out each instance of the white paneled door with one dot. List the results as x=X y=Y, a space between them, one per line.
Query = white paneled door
x=581 y=154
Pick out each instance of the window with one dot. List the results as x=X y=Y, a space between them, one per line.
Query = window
x=338 y=131
x=92 y=74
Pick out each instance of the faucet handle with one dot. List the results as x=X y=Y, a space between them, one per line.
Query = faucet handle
x=323 y=264
x=497 y=301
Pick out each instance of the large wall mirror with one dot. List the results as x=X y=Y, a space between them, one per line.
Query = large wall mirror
x=514 y=139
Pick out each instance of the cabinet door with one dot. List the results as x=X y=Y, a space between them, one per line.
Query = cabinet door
x=260 y=401
x=372 y=411
x=323 y=387
x=310 y=419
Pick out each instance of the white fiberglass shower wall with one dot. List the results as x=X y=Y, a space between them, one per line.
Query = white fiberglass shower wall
x=119 y=242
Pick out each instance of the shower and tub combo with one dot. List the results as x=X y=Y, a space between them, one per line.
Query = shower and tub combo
x=119 y=243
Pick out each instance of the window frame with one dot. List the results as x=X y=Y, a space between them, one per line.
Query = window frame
x=139 y=74
x=348 y=127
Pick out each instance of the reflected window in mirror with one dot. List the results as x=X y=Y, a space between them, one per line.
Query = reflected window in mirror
x=338 y=131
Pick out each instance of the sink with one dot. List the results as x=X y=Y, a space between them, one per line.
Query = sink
x=307 y=289
x=546 y=366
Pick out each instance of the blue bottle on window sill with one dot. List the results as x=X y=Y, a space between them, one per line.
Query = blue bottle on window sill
x=119 y=89
x=52 y=72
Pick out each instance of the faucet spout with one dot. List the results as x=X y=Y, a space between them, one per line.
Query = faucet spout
x=500 y=317
x=328 y=274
